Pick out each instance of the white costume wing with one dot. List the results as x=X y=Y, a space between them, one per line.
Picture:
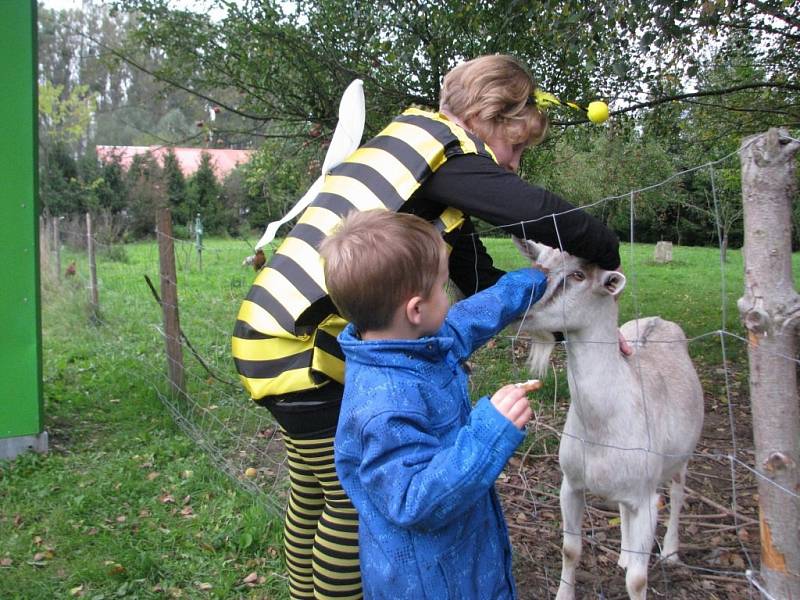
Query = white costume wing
x=345 y=141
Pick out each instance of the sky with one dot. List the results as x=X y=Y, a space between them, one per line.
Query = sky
x=67 y=4
x=61 y=4
x=77 y=4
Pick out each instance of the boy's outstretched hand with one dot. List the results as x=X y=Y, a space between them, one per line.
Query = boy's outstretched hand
x=511 y=401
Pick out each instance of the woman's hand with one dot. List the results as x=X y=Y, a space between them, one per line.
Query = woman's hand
x=624 y=346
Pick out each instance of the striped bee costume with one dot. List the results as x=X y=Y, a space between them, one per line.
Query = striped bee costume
x=285 y=349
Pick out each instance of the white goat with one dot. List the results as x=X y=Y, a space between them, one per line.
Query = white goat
x=633 y=422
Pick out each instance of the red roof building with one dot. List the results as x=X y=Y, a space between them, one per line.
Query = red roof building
x=222 y=161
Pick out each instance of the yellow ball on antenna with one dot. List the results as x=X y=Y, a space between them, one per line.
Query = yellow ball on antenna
x=597 y=111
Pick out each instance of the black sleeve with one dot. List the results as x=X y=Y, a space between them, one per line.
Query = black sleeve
x=477 y=186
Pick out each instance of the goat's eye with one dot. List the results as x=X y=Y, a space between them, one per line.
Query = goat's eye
x=577 y=275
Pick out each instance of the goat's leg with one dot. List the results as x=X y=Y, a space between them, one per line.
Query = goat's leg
x=669 y=551
x=572 y=504
x=641 y=533
x=624 y=525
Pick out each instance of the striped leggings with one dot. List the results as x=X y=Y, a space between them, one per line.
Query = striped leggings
x=321 y=527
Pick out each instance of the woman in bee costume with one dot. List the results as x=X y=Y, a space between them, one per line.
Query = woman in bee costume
x=445 y=167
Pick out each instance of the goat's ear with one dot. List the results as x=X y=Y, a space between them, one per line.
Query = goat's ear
x=613 y=282
x=530 y=249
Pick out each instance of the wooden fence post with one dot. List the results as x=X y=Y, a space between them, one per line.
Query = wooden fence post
x=770 y=310
x=57 y=246
x=93 y=296
x=169 y=302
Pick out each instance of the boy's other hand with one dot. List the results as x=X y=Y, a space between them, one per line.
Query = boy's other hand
x=511 y=401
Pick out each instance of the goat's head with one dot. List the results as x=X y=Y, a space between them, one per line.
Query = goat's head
x=578 y=294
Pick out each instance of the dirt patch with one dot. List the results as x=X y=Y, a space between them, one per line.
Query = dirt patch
x=719 y=524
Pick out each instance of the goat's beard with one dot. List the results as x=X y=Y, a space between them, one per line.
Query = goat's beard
x=542 y=345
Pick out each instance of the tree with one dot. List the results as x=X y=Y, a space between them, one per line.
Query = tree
x=175 y=189
x=289 y=62
x=203 y=196
x=113 y=193
x=276 y=177
x=234 y=200
x=63 y=120
x=602 y=167
x=145 y=184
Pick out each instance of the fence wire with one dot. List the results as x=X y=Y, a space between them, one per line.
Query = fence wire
x=719 y=534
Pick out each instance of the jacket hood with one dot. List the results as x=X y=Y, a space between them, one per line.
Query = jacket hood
x=399 y=353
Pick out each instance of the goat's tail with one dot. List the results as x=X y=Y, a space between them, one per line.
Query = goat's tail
x=542 y=344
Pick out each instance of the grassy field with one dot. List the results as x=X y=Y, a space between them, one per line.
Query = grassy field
x=127 y=505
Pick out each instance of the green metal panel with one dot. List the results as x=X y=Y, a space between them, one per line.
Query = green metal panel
x=20 y=333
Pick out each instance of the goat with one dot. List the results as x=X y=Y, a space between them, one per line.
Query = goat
x=633 y=422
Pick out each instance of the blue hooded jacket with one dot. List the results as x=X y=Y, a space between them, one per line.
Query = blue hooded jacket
x=419 y=463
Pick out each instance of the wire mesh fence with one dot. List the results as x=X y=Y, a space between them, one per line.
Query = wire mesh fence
x=719 y=529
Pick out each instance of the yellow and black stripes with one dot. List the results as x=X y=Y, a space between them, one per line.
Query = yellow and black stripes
x=321 y=528
x=276 y=345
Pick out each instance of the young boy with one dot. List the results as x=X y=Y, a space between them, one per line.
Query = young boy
x=417 y=461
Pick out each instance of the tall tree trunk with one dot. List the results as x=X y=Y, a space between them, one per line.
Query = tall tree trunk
x=770 y=309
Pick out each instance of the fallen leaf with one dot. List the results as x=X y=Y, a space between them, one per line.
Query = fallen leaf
x=152 y=475
x=251 y=578
x=205 y=586
x=77 y=591
x=6 y=562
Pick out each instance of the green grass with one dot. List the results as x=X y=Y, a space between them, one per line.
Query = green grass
x=126 y=505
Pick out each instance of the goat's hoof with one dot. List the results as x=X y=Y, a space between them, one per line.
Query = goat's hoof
x=671 y=558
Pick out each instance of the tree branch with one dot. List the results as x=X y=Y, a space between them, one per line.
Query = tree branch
x=703 y=93
x=186 y=89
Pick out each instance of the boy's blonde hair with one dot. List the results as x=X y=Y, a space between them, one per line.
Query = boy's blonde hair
x=376 y=260
x=493 y=94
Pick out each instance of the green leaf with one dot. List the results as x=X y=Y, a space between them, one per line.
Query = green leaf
x=245 y=541
x=647 y=39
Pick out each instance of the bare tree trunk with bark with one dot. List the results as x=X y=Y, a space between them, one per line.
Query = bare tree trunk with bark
x=770 y=310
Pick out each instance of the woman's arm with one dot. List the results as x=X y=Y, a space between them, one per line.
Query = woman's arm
x=479 y=187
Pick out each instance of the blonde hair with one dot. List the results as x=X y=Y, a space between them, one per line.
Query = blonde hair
x=492 y=93
x=378 y=259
